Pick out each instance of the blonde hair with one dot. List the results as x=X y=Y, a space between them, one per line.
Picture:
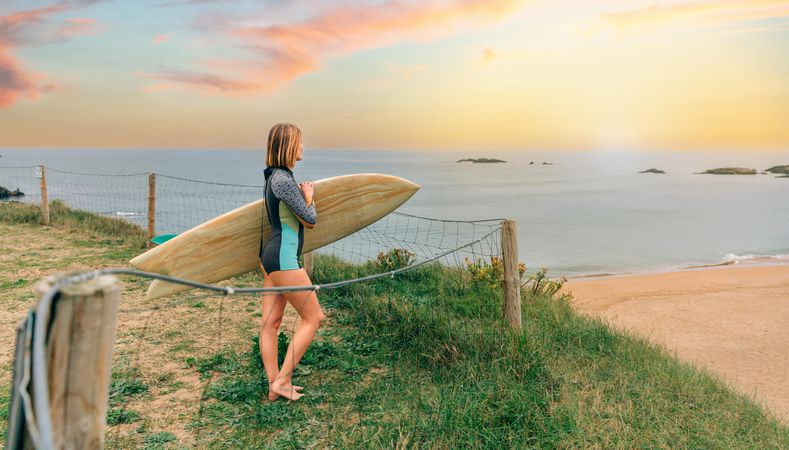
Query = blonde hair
x=284 y=140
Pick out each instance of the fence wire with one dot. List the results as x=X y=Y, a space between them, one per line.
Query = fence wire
x=120 y=196
x=182 y=203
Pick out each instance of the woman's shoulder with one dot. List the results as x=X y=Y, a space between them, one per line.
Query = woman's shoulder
x=277 y=172
x=282 y=180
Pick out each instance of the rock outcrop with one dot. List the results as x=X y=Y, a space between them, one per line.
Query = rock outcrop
x=5 y=193
x=731 y=171
x=481 y=160
x=778 y=169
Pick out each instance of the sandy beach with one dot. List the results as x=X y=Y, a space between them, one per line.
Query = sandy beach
x=730 y=319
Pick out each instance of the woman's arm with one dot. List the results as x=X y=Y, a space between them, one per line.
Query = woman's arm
x=285 y=188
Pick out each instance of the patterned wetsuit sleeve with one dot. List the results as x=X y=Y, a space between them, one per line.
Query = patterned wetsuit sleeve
x=285 y=188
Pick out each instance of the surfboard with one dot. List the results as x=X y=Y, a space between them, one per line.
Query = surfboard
x=228 y=245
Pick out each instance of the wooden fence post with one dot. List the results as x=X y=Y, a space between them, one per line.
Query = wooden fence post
x=151 y=207
x=44 y=196
x=308 y=261
x=79 y=351
x=16 y=436
x=512 y=287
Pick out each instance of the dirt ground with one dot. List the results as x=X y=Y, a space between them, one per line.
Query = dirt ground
x=731 y=320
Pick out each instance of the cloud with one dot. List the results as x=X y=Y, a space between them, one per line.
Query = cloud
x=195 y=2
x=195 y=80
x=80 y=26
x=20 y=28
x=707 y=11
x=30 y=28
x=14 y=82
x=162 y=38
x=281 y=52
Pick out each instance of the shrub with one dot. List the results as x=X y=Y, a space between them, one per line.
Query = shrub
x=540 y=284
x=395 y=258
x=491 y=274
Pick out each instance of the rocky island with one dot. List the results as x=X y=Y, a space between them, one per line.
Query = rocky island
x=731 y=171
x=779 y=170
x=652 y=171
x=481 y=160
x=5 y=193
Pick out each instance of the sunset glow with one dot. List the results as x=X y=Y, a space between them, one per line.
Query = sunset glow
x=433 y=74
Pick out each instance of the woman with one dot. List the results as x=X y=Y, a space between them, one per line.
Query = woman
x=289 y=208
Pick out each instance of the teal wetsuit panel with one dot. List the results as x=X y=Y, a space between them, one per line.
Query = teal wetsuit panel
x=285 y=204
x=289 y=243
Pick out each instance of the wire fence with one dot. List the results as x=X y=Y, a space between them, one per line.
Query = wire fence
x=183 y=203
x=118 y=195
x=461 y=252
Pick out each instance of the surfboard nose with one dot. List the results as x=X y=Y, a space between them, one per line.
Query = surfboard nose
x=400 y=188
x=406 y=185
x=411 y=186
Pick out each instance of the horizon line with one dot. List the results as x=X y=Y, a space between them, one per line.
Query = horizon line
x=411 y=149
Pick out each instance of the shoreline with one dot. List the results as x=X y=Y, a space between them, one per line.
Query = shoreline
x=727 y=318
x=758 y=261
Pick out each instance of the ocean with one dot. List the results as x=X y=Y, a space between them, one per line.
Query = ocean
x=583 y=213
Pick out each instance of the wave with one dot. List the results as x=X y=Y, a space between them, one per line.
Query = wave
x=727 y=260
x=750 y=258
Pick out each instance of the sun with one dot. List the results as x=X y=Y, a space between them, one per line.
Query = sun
x=616 y=136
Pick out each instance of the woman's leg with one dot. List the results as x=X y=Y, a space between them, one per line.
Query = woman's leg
x=306 y=304
x=272 y=308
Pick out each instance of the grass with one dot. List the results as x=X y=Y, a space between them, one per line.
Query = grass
x=97 y=231
x=421 y=360
x=5 y=399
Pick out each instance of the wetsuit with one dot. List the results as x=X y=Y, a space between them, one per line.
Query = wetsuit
x=284 y=201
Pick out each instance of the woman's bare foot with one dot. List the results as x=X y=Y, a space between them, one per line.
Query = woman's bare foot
x=290 y=390
x=273 y=395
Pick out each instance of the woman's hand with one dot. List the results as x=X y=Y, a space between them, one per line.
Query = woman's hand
x=308 y=188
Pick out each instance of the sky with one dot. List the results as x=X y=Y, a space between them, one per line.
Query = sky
x=390 y=74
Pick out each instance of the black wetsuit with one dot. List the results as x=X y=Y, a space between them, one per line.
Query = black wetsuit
x=284 y=201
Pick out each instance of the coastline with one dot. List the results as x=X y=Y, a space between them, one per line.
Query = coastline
x=744 y=261
x=729 y=318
